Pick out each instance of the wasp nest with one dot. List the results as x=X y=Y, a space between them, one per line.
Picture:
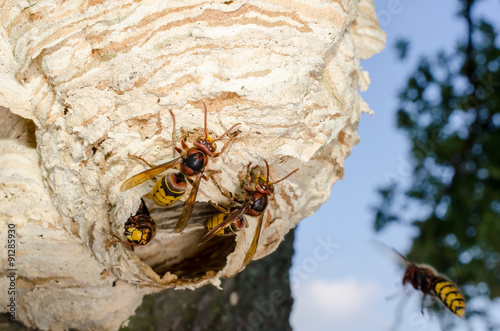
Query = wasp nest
x=95 y=81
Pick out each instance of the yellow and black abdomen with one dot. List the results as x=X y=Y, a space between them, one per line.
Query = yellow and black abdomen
x=450 y=295
x=139 y=229
x=234 y=227
x=169 y=189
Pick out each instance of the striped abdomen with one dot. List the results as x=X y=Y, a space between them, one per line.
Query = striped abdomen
x=169 y=189
x=139 y=230
x=450 y=295
x=217 y=219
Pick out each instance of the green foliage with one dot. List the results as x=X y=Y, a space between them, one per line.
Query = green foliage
x=450 y=110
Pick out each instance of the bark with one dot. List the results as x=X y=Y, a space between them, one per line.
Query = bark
x=95 y=81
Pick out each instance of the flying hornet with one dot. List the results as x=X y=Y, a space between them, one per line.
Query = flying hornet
x=192 y=162
x=139 y=228
x=253 y=204
x=426 y=279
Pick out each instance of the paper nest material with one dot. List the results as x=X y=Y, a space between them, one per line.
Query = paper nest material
x=98 y=81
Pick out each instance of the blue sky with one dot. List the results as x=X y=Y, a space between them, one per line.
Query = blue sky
x=346 y=288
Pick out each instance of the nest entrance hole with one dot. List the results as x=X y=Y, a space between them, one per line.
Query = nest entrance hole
x=179 y=253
